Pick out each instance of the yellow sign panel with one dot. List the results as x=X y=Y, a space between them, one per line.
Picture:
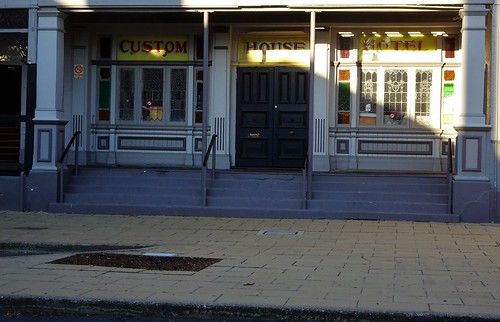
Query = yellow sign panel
x=156 y=48
x=273 y=49
x=387 y=47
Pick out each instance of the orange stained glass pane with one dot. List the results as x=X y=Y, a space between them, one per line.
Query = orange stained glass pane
x=344 y=75
x=449 y=75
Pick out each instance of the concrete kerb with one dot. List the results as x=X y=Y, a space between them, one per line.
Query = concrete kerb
x=60 y=307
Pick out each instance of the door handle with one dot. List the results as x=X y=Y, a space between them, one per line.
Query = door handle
x=275 y=106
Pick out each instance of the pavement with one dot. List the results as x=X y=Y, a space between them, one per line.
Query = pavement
x=271 y=269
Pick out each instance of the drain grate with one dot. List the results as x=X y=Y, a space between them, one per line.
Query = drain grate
x=160 y=263
x=280 y=232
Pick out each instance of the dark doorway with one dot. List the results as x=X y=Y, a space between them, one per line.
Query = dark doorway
x=272 y=117
x=10 y=109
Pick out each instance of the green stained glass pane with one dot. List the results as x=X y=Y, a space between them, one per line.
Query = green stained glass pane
x=448 y=90
x=105 y=94
x=344 y=96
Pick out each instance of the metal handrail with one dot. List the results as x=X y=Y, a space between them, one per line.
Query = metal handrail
x=75 y=136
x=305 y=181
x=74 y=139
x=204 y=167
x=450 y=176
x=209 y=149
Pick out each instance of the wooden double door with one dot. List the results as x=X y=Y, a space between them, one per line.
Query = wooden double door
x=272 y=117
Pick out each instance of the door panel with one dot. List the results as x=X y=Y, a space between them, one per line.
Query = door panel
x=254 y=117
x=271 y=117
x=291 y=118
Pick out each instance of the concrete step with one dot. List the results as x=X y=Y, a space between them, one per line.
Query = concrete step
x=379 y=207
x=255 y=202
x=380 y=196
x=255 y=194
x=133 y=199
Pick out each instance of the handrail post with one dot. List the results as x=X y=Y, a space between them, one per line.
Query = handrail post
x=312 y=45
x=213 y=161
x=21 y=191
x=77 y=148
x=204 y=106
x=62 y=161
x=450 y=177
x=304 y=188
x=61 y=184
x=204 y=163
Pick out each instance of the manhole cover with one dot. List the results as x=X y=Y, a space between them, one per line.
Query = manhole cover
x=281 y=232
x=161 y=263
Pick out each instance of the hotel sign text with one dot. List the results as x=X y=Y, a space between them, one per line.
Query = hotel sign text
x=394 y=48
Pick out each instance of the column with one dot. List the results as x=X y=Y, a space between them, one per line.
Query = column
x=321 y=90
x=472 y=187
x=219 y=95
x=49 y=122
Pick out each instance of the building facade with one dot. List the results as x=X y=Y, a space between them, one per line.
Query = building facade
x=365 y=87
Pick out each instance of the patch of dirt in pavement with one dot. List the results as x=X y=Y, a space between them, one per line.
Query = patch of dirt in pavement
x=161 y=263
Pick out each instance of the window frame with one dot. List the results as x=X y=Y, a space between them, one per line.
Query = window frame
x=435 y=93
x=138 y=93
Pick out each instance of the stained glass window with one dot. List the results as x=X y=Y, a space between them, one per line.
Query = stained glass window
x=152 y=94
x=368 y=98
x=104 y=93
x=178 y=95
x=344 y=96
x=126 y=94
x=395 y=97
x=199 y=97
x=423 y=85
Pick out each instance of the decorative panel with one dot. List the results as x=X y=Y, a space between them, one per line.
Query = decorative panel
x=395 y=147
x=197 y=144
x=44 y=150
x=292 y=119
x=471 y=156
x=291 y=149
x=254 y=148
x=103 y=142
x=151 y=143
x=221 y=134
x=342 y=146
x=254 y=119
x=246 y=87
x=263 y=88
x=78 y=126
x=319 y=135
x=284 y=84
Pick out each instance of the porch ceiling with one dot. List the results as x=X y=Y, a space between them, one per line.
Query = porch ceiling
x=269 y=17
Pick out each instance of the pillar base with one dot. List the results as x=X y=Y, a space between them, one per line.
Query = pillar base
x=471 y=201
x=41 y=189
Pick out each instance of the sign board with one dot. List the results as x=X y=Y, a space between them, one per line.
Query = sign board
x=273 y=49
x=153 y=48
x=383 y=48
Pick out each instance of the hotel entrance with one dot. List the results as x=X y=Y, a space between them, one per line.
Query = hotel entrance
x=272 y=117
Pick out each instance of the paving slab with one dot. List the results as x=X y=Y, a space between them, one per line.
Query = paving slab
x=372 y=270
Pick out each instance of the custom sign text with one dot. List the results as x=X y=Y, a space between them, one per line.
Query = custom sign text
x=153 y=48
